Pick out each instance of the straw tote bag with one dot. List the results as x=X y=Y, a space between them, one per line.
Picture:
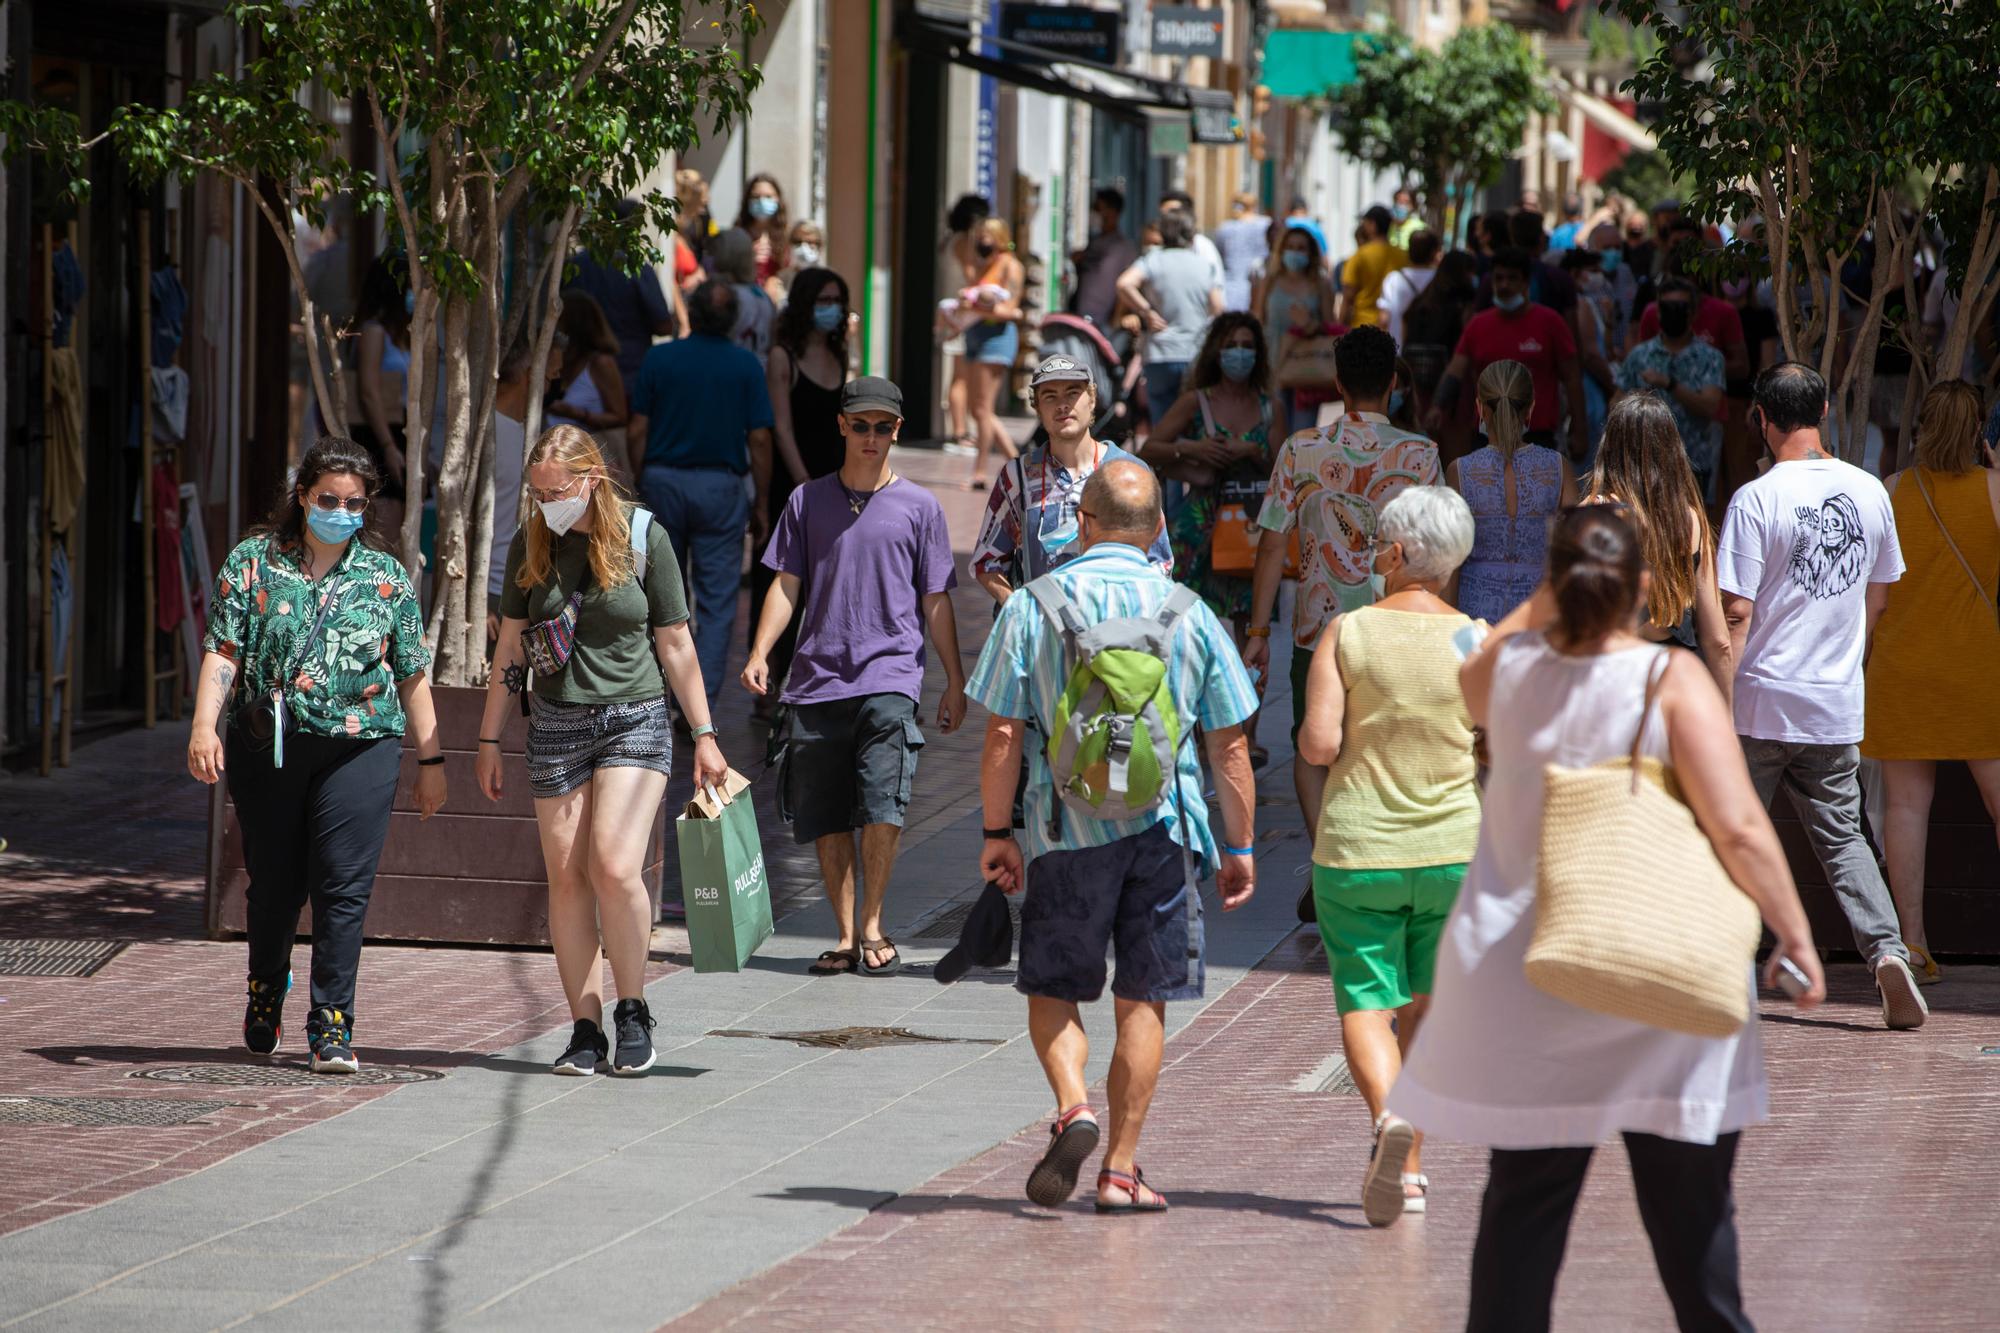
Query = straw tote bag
x=1635 y=917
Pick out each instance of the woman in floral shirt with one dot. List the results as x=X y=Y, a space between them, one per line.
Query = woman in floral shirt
x=315 y=650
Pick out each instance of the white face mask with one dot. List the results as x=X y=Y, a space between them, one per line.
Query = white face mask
x=805 y=254
x=561 y=515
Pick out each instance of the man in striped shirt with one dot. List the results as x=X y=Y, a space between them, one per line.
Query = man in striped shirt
x=1097 y=883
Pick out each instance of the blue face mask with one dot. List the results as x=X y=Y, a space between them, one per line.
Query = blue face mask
x=1296 y=260
x=1396 y=401
x=1400 y=212
x=334 y=527
x=1511 y=304
x=1238 y=362
x=764 y=206
x=409 y=303
x=827 y=318
x=1612 y=259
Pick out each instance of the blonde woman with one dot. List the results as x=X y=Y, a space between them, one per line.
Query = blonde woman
x=1643 y=465
x=1514 y=489
x=994 y=341
x=600 y=741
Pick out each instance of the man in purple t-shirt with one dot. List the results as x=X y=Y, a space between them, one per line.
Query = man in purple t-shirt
x=870 y=553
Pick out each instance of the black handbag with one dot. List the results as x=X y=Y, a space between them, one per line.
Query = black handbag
x=259 y=717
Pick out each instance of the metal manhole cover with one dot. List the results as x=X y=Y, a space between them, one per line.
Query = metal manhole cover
x=100 y=1112
x=857 y=1039
x=280 y=1076
x=57 y=958
x=1332 y=1075
x=947 y=924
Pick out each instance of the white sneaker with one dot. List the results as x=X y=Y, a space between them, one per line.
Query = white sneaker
x=958 y=450
x=1903 y=1005
x=1382 y=1201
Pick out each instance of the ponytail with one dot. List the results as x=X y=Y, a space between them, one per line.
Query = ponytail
x=1507 y=392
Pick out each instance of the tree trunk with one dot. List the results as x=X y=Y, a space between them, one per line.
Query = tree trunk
x=548 y=316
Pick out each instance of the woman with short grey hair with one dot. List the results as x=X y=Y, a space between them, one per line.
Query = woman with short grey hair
x=1385 y=714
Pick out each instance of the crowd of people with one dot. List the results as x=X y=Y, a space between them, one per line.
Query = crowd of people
x=1493 y=587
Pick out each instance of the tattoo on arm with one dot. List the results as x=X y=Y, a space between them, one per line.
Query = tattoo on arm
x=225 y=676
x=515 y=677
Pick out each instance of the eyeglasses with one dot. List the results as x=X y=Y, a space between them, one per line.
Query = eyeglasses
x=326 y=502
x=859 y=427
x=540 y=496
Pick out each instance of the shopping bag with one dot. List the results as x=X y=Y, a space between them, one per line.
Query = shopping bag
x=722 y=876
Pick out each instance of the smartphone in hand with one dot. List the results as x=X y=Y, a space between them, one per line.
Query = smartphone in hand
x=1791 y=980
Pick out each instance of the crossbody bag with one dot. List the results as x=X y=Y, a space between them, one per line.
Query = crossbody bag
x=263 y=719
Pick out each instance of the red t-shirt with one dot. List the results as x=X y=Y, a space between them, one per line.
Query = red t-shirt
x=1537 y=337
x=1716 y=323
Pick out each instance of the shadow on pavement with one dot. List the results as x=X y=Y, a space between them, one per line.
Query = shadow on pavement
x=917 y=1205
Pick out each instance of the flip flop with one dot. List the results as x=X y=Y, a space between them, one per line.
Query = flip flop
x=1072 y=1139
x=832 y=963
x=1131 y=1184
x=888 y=969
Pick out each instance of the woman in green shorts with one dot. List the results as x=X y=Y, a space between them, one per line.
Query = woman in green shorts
x=1385 y=715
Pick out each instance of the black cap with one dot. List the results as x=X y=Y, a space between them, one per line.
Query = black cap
x=1381 y=217
x=986 y=939
x=871 y=393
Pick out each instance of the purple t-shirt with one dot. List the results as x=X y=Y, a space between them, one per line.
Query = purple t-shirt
x=862 y=628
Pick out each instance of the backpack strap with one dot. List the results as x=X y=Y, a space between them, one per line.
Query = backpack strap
x=642 y=534
x=1179 y=602
x=1060 y=609
x=1207 y=416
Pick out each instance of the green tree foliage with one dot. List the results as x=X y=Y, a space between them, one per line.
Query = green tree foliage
x=1848 y=126
x=1645 y=178
x=1448 y=119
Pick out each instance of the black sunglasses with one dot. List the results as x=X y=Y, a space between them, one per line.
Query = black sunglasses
x=327 y=502
x=872 y=427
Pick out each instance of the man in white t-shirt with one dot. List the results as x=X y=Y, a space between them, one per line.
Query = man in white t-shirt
x=1805 y=559
x=510 y=451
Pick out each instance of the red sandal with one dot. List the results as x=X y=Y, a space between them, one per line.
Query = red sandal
x=1072 y=1139
x=1131 y=1184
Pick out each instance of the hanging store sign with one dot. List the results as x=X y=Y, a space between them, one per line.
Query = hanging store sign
x=1212 y=116
x=1063 y=31
x=1183 y=30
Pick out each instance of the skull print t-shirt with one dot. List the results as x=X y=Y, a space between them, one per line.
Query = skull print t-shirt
x=1803 y=542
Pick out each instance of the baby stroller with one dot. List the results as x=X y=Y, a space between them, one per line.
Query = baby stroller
x=1075 y=337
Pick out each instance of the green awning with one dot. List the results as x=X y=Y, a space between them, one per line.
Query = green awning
x=1301 y=62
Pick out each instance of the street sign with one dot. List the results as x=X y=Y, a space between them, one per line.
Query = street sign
x=1183 y=30
x=1062 y=31
x=1167 y=135
x=1212 y=115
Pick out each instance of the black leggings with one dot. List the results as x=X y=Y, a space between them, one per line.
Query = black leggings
x=1684 y=1200
x=312 y=831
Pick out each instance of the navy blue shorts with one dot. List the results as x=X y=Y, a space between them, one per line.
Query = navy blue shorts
x=1130 y=896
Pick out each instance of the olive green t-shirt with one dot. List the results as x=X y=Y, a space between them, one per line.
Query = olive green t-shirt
x=613 y=661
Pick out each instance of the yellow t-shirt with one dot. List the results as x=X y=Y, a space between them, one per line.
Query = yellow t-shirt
x=1403 y=791
x=1364 y=272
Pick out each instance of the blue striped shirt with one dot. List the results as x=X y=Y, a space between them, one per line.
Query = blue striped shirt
x=1021 y=675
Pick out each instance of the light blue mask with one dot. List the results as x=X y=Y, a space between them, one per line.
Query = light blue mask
x=1238 y=362
x=1296 y=260
x=1396 y=401
x=1612 y=259
x=764 y=206
x=335 y=527
x=1511 y=304
x=409 y=303
x=827 y=318
x=1055 y=540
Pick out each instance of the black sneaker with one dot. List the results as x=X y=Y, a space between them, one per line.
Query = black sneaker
x=633 y=1023
x=264 y=1015
x=329 y=1034
x=586 y=1051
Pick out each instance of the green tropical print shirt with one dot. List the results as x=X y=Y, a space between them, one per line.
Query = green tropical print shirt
x=345 y=685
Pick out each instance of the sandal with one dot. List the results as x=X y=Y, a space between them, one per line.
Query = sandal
x=1132 y=1185
x=888 y=969
x=1414 y=1203
x=1072 y=1139
x=1925 y=967
x=832 y=963
x=1382 y=1201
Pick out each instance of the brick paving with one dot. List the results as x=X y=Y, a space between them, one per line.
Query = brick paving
x=115 y=847
x=1865 y=1204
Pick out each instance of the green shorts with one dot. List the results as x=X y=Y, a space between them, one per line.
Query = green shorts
x=1381 y=930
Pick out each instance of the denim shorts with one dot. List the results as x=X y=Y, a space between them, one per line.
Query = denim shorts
x=850 y=763
x=1131 y=896
x=567 y=743
x=993 y=343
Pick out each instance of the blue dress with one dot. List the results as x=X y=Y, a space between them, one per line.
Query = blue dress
x=1508 y=553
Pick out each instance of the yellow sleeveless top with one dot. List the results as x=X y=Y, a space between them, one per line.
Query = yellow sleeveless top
x=1936 y=655
x=1403 y=791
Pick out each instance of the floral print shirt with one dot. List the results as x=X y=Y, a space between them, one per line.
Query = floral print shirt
x=344 y=682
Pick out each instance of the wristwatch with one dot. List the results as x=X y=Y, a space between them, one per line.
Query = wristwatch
x=1257 y=632
x=997 y=834
x=705 y=729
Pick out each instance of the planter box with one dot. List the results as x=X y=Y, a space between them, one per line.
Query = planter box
x=472 y=874
x=1961 y=872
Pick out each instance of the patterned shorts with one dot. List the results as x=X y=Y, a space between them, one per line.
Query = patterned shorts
x=567 y=743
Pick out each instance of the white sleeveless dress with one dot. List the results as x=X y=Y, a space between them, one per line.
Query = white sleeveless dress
x=1501 y=1063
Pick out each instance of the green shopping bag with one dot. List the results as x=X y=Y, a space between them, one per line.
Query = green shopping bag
x=722 y=876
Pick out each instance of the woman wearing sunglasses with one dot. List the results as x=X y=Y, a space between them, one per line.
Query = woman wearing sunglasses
x=593 y=605
x=316 y=650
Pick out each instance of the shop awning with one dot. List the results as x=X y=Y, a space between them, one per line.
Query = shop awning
x=1605 y=116
x=1119 y=91
x=1307 y=62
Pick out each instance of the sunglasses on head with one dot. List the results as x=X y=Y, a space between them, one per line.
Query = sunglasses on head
x=872 y=427
x=327 y=502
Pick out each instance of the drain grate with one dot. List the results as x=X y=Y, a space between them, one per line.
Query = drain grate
x=281 y=1076
x=857 y=1039
x=947 y=924
x=104 y=1112
x=57 y=958
x=1331 y=1075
